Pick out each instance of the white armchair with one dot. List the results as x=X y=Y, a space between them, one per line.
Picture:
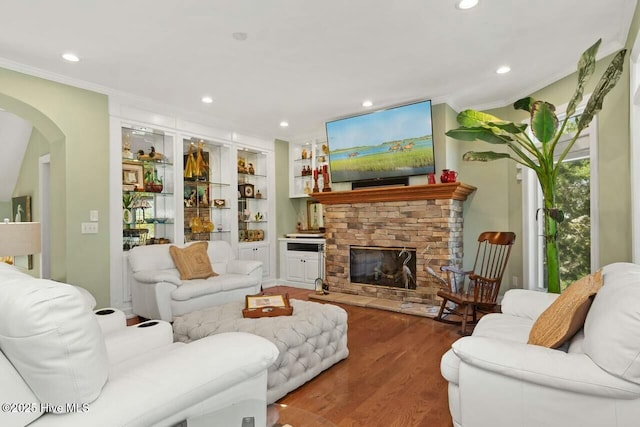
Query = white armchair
x=496 y=378
x=63 y=365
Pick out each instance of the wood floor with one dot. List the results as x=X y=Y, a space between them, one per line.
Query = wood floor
x=391 y=377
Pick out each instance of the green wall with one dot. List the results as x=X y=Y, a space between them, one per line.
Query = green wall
x=286 y=208
x=75 y=123
x=5 y=210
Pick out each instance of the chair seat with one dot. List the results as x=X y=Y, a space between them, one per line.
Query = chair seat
x=463 y=298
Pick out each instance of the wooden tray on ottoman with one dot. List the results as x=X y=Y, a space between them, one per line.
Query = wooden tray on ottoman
x=267 y=306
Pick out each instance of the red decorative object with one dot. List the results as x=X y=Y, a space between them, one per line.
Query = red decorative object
x=452 y=176
x=431 y=178
x=315 y=181
x=445 y=176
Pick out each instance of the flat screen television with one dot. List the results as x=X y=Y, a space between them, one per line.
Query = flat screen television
x=390 y=143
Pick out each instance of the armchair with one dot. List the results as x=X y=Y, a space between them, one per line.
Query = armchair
x=496 y=378
x=63 y=365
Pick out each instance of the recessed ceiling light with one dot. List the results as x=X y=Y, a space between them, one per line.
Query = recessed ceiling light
x=207 y=99
x=466 y=4
x=240 y=36
x=503 y=70
x=70 y=57
x=284 y=124
x=367 y=103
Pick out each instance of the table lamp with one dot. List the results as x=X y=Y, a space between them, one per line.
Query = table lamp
x=19 y=238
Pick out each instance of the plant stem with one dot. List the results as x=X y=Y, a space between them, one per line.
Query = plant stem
x=551 y=238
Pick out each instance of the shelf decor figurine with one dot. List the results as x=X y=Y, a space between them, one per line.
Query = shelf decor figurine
x=315 y=181
x=190 y=164
x=325 y=179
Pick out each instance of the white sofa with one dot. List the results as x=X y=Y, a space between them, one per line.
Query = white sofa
x=157 y=292
x=497 y=379
x=63 y=365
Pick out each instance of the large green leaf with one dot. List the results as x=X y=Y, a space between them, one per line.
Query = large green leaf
x=586 y=67
x=477 y=133
x=483 y=156
x=544 y=121
x=606 y=83
x=510 y=127
x=473 y=118
x=524 y=104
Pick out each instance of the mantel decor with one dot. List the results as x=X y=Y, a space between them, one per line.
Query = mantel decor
x=453 y=190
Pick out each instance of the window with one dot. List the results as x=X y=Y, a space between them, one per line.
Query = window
x=576 y=195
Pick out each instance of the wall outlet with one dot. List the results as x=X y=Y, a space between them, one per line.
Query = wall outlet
x=89 y=228
x=514 y=282
x=93 y=216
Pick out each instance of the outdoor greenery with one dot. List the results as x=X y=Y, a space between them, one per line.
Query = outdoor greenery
x=540 y=155
x=574 y=233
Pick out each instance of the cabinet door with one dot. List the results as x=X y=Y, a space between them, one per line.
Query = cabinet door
x=295 y=268
x=311 y=272
x=262 y=254
x=256 y=253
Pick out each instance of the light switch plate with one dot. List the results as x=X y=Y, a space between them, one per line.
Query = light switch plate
x=89 y=228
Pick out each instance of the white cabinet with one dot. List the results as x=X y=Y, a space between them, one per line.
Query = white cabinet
x=301 y=261
x=306 y=161
x=256 y=252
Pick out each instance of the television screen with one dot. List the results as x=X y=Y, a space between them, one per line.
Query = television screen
x=391 y=143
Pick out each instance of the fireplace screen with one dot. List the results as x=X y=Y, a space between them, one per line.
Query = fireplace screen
x=380 y=266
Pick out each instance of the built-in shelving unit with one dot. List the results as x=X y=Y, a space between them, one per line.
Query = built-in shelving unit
x=307 y=160
x=207 y=190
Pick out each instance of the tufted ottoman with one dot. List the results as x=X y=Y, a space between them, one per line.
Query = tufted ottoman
x=310 y=341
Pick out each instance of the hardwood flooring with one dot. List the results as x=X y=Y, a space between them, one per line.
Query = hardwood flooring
x=391 y=377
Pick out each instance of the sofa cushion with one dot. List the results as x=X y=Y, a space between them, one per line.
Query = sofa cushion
x=224 y=282
x=612 y=325
x=566 y=315
x=53 y=340
x=151 y=258
x=192 y=261
x=504 y=327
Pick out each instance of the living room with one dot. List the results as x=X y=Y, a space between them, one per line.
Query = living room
x=76 y=123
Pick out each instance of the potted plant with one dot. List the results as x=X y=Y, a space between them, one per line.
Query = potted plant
x=539 y=154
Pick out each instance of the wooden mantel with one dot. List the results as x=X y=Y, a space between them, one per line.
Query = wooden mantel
x=454 y=190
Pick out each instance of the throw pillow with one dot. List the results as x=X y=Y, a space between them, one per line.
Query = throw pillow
x=192 y=261
x=566 y=315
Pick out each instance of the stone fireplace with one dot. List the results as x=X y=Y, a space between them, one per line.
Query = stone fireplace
x=424 y=220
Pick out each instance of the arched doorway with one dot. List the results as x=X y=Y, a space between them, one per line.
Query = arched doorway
x=46 y=142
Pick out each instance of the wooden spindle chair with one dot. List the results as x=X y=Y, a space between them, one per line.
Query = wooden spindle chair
x=481 y=290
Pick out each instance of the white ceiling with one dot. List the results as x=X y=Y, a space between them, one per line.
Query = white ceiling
x=307 y=61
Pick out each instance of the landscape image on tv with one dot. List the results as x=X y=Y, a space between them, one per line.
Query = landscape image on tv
x=390 y=143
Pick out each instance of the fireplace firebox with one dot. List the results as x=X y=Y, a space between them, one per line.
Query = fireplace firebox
x=383 y=266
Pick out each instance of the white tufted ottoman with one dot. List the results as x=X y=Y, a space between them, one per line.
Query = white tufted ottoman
x=310 y=341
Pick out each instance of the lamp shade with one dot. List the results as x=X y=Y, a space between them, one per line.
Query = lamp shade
x=19 y=238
